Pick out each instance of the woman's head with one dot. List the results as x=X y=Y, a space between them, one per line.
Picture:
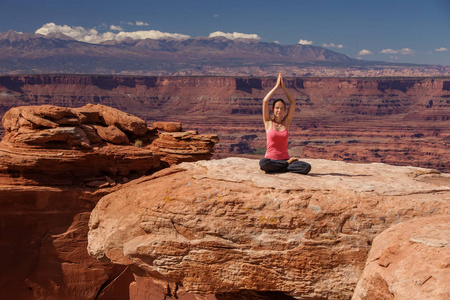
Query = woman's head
x=279 y=108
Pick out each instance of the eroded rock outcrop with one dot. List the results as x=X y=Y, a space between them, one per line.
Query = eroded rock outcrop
x=92 y=143
x=223 y=226
x=410 y=260
x=55 y=164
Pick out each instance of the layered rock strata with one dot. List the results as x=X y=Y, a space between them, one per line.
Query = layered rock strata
x=400 y=121
x=223 y=227
x=55 y=164
x=417 y=98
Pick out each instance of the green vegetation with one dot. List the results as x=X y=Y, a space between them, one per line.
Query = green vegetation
x=138 y=143
x=260 y=151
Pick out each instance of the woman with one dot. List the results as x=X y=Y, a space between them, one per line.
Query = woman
x=277 y=157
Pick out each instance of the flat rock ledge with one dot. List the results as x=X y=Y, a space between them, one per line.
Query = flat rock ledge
x=223 y=226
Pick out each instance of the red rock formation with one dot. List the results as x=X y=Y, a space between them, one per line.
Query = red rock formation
x=167 y=126
x=402 y=121
x=410 y=260
x=225 y=227
x=55 y=164
x=178 y=95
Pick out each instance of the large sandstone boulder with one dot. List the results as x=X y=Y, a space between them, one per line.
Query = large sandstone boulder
x=112 y=134
x=61 y=126
x=37 y=116
x=177 y=147
x=224 y=226
x=120 y=119
x=168 y=126
x=409 y=261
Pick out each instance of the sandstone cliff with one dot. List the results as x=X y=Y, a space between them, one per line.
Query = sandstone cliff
x=230 y=95
x=400 y=121
x=223 y=228
x=55 y=164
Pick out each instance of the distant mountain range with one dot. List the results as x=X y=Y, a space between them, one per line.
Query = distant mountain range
x=30 y=53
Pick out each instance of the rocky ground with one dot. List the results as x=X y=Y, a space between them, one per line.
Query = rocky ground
x=223 y=226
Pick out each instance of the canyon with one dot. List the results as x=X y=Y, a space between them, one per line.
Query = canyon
x=97 y=204
x=147 y=186
x=400 y=121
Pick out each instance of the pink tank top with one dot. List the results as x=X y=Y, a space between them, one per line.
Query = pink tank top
x=277 y=144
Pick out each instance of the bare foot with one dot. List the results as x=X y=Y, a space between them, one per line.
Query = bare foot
x=292 y=159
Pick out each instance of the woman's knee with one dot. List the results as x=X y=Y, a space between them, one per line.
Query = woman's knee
x=308 y=168
x=273 y=166
x=300 y=167
x=264 y=163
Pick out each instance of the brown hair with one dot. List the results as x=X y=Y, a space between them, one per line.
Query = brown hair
x=278 y=100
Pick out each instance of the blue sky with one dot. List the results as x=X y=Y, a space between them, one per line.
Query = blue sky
x=406 y=31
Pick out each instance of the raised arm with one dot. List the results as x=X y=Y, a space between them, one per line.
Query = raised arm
x=291 y=109
x=266 y=109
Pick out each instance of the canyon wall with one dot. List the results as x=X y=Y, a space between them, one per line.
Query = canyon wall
x=173 y=95
x=401 y=121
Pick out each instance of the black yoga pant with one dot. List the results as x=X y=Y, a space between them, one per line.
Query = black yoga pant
x=280 y=166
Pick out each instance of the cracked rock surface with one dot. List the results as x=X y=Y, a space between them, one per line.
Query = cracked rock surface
x=222 y=226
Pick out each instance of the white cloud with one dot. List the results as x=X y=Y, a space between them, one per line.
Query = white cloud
x=394 y=57
x=442 y=49
x=94 y=37
x=149 y=34
x=332 y=45
x=235 y=35
x=389 y=51
x=78 y=33
x=140 y=23
x=114 y=27
x=365 y=52
x=216 y=15
x=276 y=42
x=136 y=23
x=305 y=42
x=404 y=51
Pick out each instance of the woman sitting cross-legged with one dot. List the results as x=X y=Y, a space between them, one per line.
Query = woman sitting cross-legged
x=277 y=133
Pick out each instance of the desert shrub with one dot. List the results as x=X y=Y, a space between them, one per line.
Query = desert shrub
x=138 y=143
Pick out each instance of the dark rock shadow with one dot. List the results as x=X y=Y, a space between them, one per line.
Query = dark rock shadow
x=337 y=174
x=254 y=295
